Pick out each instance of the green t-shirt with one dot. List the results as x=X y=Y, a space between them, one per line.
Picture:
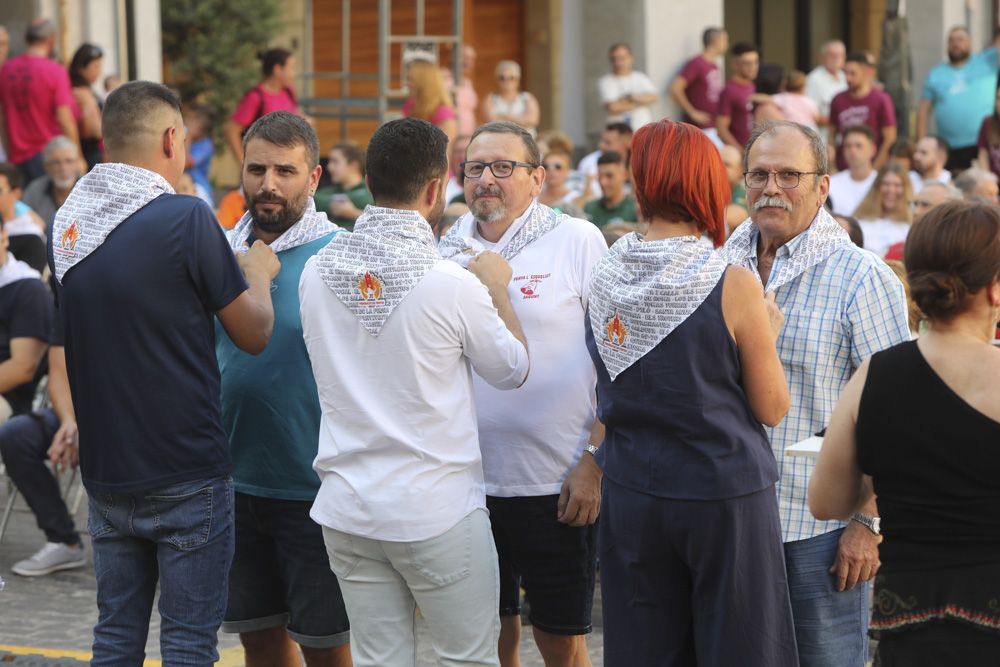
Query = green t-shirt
x=598 y=214
x=270 y=405
x=359 y=196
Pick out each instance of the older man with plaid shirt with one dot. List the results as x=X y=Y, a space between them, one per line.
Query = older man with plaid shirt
x=841 y=305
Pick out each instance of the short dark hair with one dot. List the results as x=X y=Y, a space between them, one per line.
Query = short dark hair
x=272 y=58
x=507 y=127
x=769 y=78
x=128 y=109
x=859 y=129
x=740 y=48
x=283 y=128
x=12 y=173
x=619 y=45
x=611 y=157
x=902 y=148
x=620 y=128
x=854 y=229
x=403 y=157
x=709 y=35
x=352 y=153
x=39 y=30
x=952 y=252
x=942 y=144
x=858 y=57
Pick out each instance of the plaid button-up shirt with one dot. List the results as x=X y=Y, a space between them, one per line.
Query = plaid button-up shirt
x=838 y=313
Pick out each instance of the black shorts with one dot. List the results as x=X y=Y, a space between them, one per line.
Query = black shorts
x=281 y=575
x=555 y=563
x=960 y=157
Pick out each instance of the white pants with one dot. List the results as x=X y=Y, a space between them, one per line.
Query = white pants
x=453 y=578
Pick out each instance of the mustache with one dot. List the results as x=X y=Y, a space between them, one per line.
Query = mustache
x=776 y=202
x=269 y=199
x=491 y=190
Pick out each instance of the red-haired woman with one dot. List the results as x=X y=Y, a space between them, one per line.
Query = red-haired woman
x=692 y=565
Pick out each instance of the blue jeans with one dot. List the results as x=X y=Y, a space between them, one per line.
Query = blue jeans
x=831 y=627
x=182 y=535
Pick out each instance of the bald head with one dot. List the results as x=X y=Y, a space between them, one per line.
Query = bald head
x=135 y=117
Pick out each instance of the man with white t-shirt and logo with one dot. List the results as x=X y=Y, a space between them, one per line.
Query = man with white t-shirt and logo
x=542 y=483
x=627 y=95
x=929 y=158
x=849 y=187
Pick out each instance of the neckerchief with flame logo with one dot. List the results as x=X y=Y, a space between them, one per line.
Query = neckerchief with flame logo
x=822 y=238
x=460 y=245
x=311 y=226
x=642 y=290
x=100 y=201
x=373 y=268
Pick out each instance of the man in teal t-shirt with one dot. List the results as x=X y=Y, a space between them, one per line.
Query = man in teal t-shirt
x=961 y=92
x=280 y=584
x=347 y=197
x=615 y=205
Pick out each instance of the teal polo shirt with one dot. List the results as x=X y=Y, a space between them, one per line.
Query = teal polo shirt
x=270 y=406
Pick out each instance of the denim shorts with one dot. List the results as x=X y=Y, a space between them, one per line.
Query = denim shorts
x=281 y=575
x=554 y=562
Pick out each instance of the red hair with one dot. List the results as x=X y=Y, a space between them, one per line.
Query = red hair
x=678 y=174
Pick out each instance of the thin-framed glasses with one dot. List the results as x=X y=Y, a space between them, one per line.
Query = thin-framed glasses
x=499 y=168
x=786 y=180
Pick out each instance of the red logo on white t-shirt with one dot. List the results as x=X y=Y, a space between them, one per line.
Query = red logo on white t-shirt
x=529 y=289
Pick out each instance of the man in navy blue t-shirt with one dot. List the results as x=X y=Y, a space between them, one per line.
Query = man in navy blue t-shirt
x=143 y=271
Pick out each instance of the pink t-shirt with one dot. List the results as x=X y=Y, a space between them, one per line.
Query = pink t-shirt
x=258 y=102
x=797 y=108
x=704 y=86
x=441 y=114
x=874 y=110
x=31 y=90
x=734 y=103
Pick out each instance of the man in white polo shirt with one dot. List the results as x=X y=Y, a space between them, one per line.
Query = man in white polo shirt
x=543 y=489
x=393 y=333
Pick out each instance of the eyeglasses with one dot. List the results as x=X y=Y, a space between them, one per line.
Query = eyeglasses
x=499 y=168
x=786 y=180
x=921 y=202
x=504 y=77
x=553 y=166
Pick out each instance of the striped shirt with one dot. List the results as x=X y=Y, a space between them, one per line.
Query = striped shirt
x=837 y=314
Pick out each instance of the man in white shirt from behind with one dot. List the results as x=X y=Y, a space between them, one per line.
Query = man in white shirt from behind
x=930 y=155
x=849 y=187
x=627 y=95
x=393 y=333
x=542 y=483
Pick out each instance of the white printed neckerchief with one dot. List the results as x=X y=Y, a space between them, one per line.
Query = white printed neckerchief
x=14 y=269
x=642 y=290
x=98 y=203
x=373 y=268
x=311 y=226
x=460 y=245
x=820 y=240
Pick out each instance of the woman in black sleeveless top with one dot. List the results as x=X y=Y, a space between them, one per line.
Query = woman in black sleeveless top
x=692 y=564
x=919 y=427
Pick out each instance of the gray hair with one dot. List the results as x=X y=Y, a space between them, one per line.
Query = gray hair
x=969 y=179
x=507 y=127
x=39 y=30
x=287 y=130
x=506 y=65
x=58 y=143
x=951 y=192
x=816 y=145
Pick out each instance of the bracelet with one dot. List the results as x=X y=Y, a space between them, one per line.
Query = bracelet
x=591 y=448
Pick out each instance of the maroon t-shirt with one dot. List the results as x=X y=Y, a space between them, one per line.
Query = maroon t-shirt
x=704 y=87
x=992 y=150
x=874 y=110
x=734 y=103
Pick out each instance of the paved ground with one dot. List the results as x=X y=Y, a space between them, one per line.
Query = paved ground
x=47 y=621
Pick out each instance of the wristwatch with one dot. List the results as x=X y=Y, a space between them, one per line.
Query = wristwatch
x=592 y=449
x=872 y=523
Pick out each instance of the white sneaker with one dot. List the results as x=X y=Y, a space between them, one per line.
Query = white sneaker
x=52 y=557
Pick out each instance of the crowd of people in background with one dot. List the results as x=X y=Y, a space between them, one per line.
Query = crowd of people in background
x=776 y=249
